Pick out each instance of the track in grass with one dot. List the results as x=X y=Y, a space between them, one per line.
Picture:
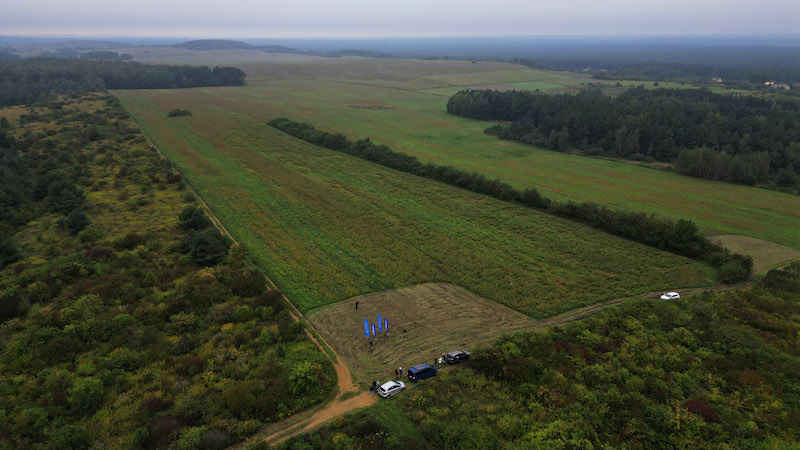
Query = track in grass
x=327 y=226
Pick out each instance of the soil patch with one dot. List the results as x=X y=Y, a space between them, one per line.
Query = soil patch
x=378 y=107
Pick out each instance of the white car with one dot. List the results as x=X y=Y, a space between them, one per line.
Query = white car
x=671 y=296
x=391 y=388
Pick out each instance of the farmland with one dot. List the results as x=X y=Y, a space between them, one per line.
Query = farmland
x=324 y=91
x=327 y=227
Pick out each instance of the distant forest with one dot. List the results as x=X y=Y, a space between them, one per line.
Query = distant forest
x=29 y=80
x=739 y=139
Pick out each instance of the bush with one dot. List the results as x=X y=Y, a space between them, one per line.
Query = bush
x=192 y=218
x=8 y=252
x=129 y=242
x=71 y=437
x=172 y=179
x=192 y=365
x=86 y=396
x=702 y=409
x=250 y=284
x=97 y=252
x=177 y=112
x=162 y=430
x=75 y=221
x=242 y=398
x=206 y=247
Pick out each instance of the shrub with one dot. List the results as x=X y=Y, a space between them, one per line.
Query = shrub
x=129 y=242
x=172 y=179
x=702 y=409
x=86 y=396
x=177 y=112
x=8 y=252
x=97 y=252
x=162 y=430
x=75 y=221
x=71 y=437
x=242 y=399
x=206 y=247
x=248 y=284
x=155 y=404
x=192 y=365
x=192 y=218
x=90 y=234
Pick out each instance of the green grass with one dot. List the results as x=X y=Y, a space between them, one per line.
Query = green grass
x=327 y=226
x=322 y=91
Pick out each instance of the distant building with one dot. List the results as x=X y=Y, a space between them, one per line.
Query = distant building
x=775 y=85
x=716 y=79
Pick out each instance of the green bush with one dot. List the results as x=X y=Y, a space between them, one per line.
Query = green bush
x=86 y=395
x=75 y=221
x=71 y=437
x=193 y=218
x=207 y=247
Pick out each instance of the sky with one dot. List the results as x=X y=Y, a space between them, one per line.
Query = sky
x=384 y=18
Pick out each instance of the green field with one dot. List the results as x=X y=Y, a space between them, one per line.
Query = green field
x=327 y=226
x=331 y=94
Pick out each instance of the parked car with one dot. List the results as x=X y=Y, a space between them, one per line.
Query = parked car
x=671 y=296
x=421 y=371
x=457 y=356
x=391 y=388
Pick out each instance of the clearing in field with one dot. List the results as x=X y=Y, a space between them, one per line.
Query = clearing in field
x=327 y=226
x=766 y=255
x=321 y=91
x=438 y=317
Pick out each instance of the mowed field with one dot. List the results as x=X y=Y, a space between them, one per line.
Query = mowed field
x=437 y=317
x=327 y=226
x=402 y=103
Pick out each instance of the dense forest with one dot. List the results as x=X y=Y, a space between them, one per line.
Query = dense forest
x=720 y=370
x=681 y=237
x=126 y=319
x=739 y=139
x=30 y=80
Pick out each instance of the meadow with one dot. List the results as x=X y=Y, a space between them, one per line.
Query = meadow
x=327 y=227
x=401 y=103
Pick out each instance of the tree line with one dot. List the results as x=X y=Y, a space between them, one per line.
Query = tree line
x=682 y=237
x=753 y=140
x=30 y=80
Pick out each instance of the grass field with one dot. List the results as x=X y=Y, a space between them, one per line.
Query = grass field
x=438 y=318
x=322 y=91
x=327 y=226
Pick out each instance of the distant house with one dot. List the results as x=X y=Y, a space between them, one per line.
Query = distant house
x=716 y=79
x=776 y=85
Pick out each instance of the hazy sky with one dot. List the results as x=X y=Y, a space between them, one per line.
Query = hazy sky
x=380 y=18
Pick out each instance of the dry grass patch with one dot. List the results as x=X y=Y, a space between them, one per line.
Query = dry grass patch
x=766 y=255
x=438 y=317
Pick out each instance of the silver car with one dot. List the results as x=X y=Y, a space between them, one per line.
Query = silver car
x=391 y=388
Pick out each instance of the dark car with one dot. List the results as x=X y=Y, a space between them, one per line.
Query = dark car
x=457 y=356
x=421 y=371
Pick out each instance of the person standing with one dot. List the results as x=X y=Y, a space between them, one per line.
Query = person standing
x=396 y=373
x=401 y=371
x=372 y=388
x=356 y=305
